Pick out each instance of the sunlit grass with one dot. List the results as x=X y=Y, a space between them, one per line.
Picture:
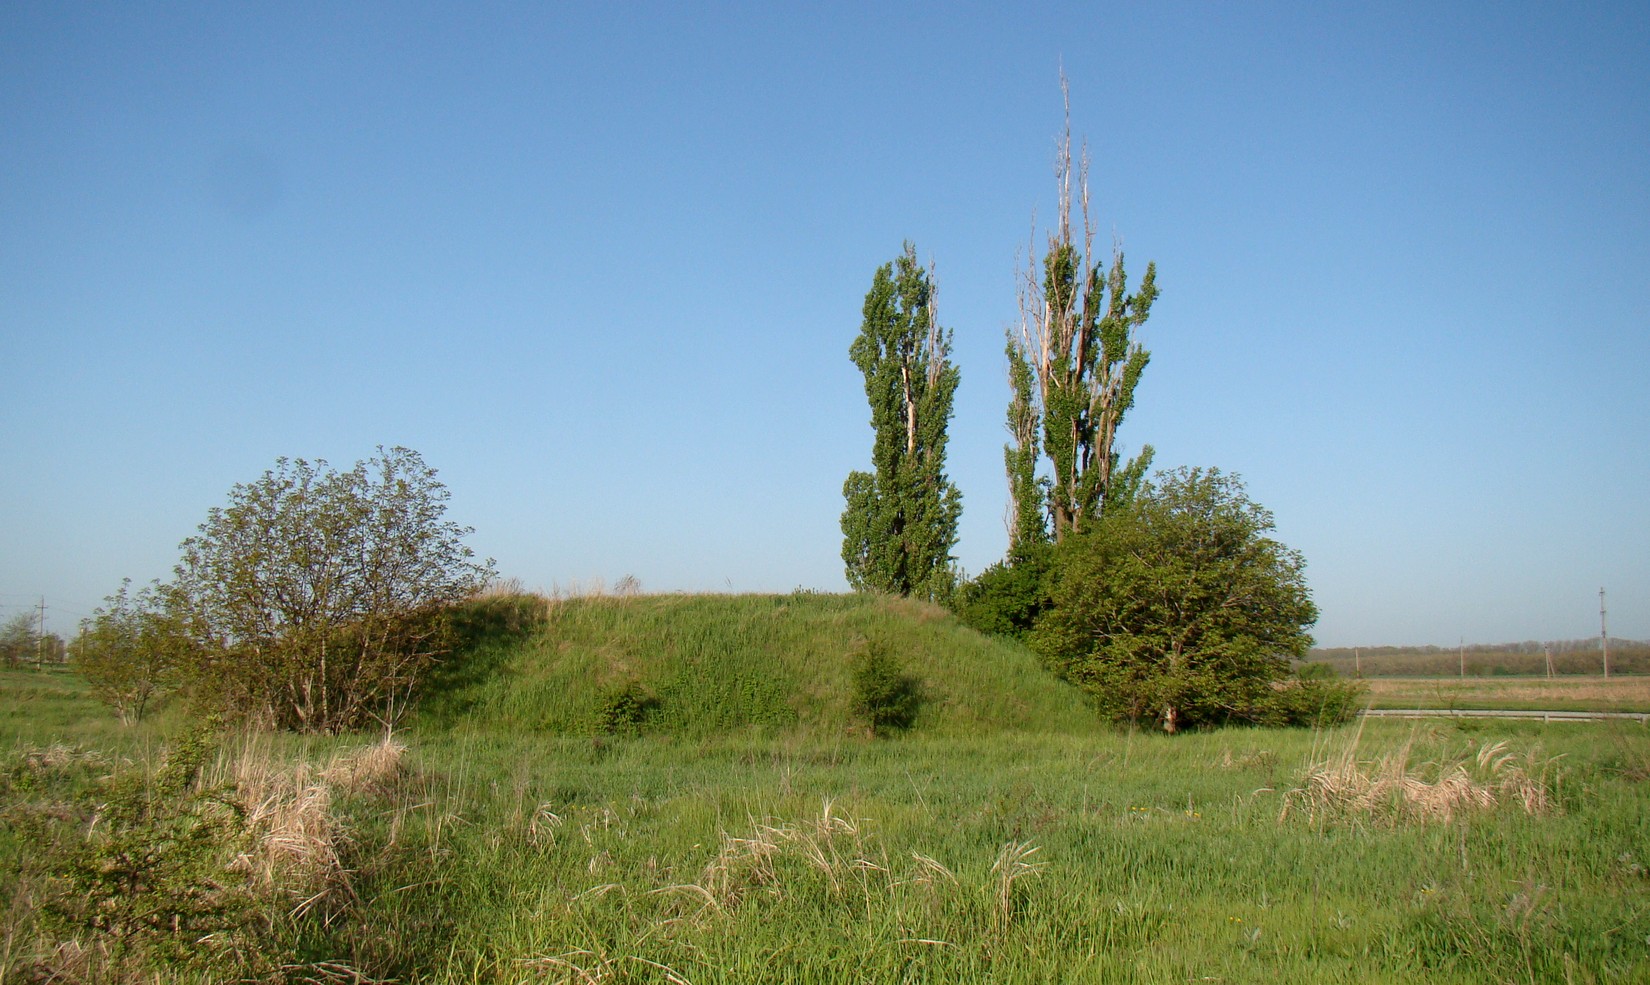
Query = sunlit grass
x=1027 y=845
x=775 y=664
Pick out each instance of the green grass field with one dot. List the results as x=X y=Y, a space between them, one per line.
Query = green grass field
x=1007 y=838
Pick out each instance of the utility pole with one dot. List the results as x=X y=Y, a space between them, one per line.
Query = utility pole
x=1357 y=665
x=1603 y=634
x=1547 y=651
x=1463 y=658
x=40 y=638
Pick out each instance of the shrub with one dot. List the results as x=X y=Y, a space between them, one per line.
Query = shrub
x=1312 y=701
x=132 y=650
x=1177 y=607
x=624 y=709
x=318 y=597
x=1006 y=598
x=138 y=874
x=885 y=697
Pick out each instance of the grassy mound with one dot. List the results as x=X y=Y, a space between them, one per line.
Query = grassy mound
x=697 y=665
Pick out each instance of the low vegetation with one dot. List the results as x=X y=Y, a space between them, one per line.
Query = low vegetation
x=1005 y=836
x=694 y=666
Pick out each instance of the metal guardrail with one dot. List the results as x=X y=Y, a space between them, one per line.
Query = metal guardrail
x=1545 y=716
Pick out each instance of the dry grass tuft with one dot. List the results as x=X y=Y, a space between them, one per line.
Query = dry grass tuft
x=59 y=756
x=1259 y=759
x=373 y=769
x=1011 y=866
x=831 y=846
x=593 y=968
x=1395 y=789
x=294 y=838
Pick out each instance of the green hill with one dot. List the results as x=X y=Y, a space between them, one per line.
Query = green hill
x=695 y=665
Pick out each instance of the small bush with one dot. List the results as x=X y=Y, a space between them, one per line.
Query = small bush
x=1316 y=670
x=1311 y=701
x=1007 y=598
x=624 y=709
x=138 y=875
x=885 y=697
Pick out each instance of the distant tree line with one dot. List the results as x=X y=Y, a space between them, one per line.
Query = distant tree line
x=1485 y=660
x=22 y=642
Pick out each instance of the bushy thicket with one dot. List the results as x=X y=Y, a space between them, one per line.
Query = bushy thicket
x=1007 y=598
x=1174 y=608
x=132 y=874
x=316 y=600
x=211 y=867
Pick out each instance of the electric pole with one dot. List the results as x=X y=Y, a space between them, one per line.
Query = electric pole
x=1463 y=658
x=40 y=638
x=1603 y=634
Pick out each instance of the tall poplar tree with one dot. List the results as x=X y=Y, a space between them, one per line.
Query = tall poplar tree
x=1073 y=366
x=901 y=519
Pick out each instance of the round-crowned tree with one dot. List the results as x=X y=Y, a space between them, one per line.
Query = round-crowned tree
x=1179 y=608
x=317 y=598
x=131 y=650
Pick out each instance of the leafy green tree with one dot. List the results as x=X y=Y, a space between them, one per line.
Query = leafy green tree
x=19 y=639
x=901 y=519
x=132 y=650
x=1073 y=366
x=1179 y=607
x=1027 y=494
x=317 y=598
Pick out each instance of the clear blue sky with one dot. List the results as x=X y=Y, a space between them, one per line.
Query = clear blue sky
x=601 y=264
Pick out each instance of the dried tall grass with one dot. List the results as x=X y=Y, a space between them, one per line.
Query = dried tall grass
x=1011 y=866
x=1396 y=789
x=747 y=863
x=295 y=839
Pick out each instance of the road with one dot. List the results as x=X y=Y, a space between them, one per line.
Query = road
x=1545 y=716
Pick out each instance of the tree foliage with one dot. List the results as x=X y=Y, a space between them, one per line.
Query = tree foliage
x=132 y=650
x=316 y=597
x=19 y=639
x=900 y=523
x=1073 y=366
x=1179 y=608
x=1007 y=598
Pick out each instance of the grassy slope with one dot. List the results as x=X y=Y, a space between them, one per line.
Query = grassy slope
x=778 y=664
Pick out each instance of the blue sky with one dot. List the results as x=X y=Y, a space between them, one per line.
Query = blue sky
x=601 y=264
